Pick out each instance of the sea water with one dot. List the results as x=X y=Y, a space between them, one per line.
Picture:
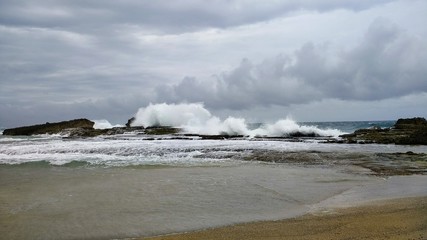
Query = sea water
x=127 y=186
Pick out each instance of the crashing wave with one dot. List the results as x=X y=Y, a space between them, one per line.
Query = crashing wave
x=194 y=118
x=104 y=124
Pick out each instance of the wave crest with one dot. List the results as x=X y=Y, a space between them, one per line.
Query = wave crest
x=104 y=124
x=196 y=119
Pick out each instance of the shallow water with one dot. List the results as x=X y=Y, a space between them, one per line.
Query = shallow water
x=66 y=203
x=128 y=150
x=103 y=188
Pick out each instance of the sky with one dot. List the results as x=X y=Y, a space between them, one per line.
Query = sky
x=311 y=60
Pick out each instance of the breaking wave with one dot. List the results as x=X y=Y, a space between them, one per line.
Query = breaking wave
x=195 y=118
x=103 y=124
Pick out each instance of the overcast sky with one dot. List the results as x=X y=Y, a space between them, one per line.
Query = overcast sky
x=313 y=60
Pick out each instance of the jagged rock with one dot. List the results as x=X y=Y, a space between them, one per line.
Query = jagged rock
x=122 y=130
x=50 y=128
x=382 y=164
x=161 y=130
x=130 y=121
x=412 y=131
x=86 y=132
x=219 y=137
x=411 y=123
x=301 y=134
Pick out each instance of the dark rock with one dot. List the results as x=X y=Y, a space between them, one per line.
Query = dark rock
x=82 y=132
x=86 y=132
x=130 y=121
x=418 y=137
x=381 y=164
x=411 y=123
x=300 y=134
x=161 y=130
x=411 y=131
x=219 y=137
x=50 y=128
x=84 y=128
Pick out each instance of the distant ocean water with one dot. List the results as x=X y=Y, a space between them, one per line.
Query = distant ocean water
x=343 y=126
x=351 y=126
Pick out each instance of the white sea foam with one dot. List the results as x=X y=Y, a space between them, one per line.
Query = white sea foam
x=104 y=124
x=265 y=191
x=10 y=139
x=194 y=118
x=172 y=115
x=285 y=127
x=136 y=151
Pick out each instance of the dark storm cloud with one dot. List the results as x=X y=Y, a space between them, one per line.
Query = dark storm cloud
x=386 y=63
x=60 y=59
x=159 y=15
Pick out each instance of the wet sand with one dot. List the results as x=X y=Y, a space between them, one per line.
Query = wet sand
x=404 y=218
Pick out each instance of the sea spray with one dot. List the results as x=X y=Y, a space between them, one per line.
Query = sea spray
x=288 y=127
x=104 y=124
x=171 y=115
x=195 y=118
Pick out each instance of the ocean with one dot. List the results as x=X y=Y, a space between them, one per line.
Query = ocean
x=131 y=185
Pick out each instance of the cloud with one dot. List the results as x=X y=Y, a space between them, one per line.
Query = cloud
x=386 y=63
x=161 y=15
x=61 y=59
x=23 y=112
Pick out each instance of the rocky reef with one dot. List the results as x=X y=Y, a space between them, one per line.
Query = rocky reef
x=411 y=131
x=50 y=128
x=381 y=164
x=84 y=128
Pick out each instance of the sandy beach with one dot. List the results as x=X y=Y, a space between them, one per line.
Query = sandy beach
x=404 y=218
x=131 y=188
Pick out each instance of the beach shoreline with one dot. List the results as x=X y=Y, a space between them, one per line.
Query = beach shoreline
x=128 y=188
x=402 y=218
